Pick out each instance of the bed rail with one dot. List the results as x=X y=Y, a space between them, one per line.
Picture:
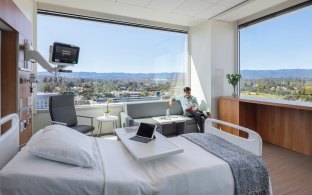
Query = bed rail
x=253 y=143
x=9 y=141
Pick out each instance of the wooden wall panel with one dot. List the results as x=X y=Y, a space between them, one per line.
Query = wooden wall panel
x=304 y=132
x=265 y=123
x=285 y=127
x=246 y=119
x=9 y=46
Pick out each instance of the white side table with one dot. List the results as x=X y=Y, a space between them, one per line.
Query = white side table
x=104 y=119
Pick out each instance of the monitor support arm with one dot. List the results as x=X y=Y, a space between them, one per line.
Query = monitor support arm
x=34 y=56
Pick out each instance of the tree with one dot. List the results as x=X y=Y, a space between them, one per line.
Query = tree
x=47 y=88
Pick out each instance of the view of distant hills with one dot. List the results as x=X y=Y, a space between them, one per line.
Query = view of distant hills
x=117 y=76
x=282 y=73
x=246 y=74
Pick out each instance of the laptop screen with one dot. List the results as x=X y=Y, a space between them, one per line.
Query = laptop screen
x=146 y=130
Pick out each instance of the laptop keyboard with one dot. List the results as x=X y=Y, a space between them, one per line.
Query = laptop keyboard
x=140 y=139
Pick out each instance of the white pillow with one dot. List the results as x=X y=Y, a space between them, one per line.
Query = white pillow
x=63 y=144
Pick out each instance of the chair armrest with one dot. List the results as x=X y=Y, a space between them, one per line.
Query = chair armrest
x=90 y=117
x=126 y=120
x=59 y=123
x=85 y=116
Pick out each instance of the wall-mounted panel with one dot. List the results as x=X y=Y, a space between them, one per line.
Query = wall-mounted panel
x=15 y=29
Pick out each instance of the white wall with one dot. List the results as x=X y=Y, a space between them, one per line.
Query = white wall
x=200 y=54
x=27 y=7
x=223 y=61
x=213 y=55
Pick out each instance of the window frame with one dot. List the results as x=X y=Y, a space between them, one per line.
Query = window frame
x=110 y=21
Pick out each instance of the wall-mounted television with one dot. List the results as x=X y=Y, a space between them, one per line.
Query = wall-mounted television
x=62 y=53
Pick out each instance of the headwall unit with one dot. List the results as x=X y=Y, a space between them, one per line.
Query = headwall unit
x=16 y=96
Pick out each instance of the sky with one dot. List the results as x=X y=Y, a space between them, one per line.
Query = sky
x=284 y=42
x=106 y=48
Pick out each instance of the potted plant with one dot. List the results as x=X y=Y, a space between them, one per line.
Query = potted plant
x=107 y=111
x=233 y=79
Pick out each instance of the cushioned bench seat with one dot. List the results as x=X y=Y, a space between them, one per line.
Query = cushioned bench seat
x=136 y=112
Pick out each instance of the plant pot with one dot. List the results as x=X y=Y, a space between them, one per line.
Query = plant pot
x=106 y=114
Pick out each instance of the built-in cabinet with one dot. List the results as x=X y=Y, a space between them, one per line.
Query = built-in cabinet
x=15 y=72
x=281 y=124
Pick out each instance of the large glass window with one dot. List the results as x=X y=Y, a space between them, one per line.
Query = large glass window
x=276 y=57
x=120 y=62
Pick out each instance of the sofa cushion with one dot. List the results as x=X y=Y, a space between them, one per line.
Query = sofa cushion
x=146 y=120
x=151 y=109
x=189 y=120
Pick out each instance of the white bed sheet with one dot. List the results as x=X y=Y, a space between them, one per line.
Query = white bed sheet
x=193 y=172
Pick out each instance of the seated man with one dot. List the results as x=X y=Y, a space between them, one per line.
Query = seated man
x=190 y=107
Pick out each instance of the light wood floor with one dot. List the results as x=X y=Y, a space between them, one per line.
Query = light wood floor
x=290 y=172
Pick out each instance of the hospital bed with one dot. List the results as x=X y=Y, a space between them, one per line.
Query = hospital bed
x=195 y=171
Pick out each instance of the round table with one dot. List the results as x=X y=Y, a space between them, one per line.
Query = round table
x=104 y=119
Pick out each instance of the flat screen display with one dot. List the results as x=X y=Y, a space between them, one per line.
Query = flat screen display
x=65 y=53
x=146 y=130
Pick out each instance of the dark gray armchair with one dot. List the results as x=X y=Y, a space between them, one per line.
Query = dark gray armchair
x=62 y=111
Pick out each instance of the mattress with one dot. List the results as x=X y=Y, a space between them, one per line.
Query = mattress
x=117 y=172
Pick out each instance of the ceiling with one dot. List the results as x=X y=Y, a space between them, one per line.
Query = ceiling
x=251 y=8
x=178 y=12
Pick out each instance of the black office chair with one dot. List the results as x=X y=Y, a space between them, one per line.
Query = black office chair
x=62 y=111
